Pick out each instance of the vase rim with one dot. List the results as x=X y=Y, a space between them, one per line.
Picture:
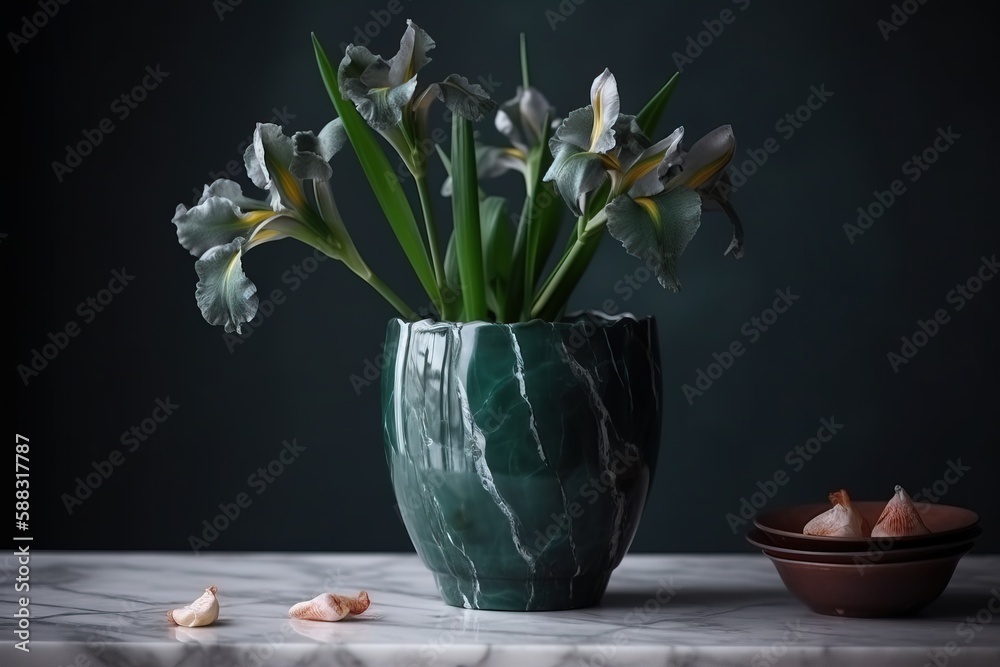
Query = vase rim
x=575 y=318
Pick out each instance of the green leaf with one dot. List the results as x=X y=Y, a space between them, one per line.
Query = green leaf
x=525 y=67
x=545 y=213
x=465 y=212
x=516 y=297
x=657 y=229
x=498 y=251
x=445 y=160
x=451 y=273
x=451 y=292
x=545 y=223
x=382 y=178
x=650 y=115
x=538 y=226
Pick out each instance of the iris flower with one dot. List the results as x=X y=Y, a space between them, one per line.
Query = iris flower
x=525 y=120
x=657 y=189
x=385 y=92
x=225 y=224
x=703 y=169
x=522 y=119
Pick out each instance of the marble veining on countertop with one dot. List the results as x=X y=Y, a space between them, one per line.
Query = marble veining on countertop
x=99 y=608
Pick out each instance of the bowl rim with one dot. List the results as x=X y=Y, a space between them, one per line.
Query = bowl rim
x=922 y=561
x=861 y=540
x=971 y=541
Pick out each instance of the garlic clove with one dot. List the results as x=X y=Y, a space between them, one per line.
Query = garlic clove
x=323 y=607
x=841 y=520
x=330 y=607
x=900 y=518
x=203 y=611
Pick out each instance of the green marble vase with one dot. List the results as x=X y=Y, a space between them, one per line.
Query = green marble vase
x=521 y=454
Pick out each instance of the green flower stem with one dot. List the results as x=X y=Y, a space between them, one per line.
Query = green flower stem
x=426 y=205
x=339 y=245
x=548 y=304
x=572 y=241
x=552 y=298
x=581 y=222
x=389 y=295
x=409 y=131
x=596 y=223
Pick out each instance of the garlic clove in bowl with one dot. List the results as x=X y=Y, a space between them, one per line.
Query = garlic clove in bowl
x=841 y=520
x=900 y=518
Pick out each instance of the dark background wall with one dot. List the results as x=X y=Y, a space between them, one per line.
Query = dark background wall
x=825 y=358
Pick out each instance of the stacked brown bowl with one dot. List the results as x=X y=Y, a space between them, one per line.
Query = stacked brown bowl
x=865 y=577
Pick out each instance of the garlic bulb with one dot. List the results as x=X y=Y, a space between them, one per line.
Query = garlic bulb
x=203 y=611
x=899 y=518
x=330 y=607
x=841 y=520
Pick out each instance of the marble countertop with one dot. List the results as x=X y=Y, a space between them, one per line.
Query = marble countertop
x=97 y=608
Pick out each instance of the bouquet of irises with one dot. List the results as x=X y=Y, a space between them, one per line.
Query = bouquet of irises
x=597 y=162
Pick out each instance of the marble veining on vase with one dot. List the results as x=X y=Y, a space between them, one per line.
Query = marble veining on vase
x=521 y=454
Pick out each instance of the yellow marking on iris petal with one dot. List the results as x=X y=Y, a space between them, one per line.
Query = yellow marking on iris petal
x=647 y=165
x=263 y=236
x=595 y=133
x=267 y=235
x=411 y=71
x=610 y=161
x=288 y=185
x=642 y=168
x=515 y=152
x=650 y=207
x=227 y=274
x=253 y=218
x=709 y=170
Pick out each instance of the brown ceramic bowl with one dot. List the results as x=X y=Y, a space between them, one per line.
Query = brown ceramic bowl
x=948 y=525
x=868 y=558
x=890 y=589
